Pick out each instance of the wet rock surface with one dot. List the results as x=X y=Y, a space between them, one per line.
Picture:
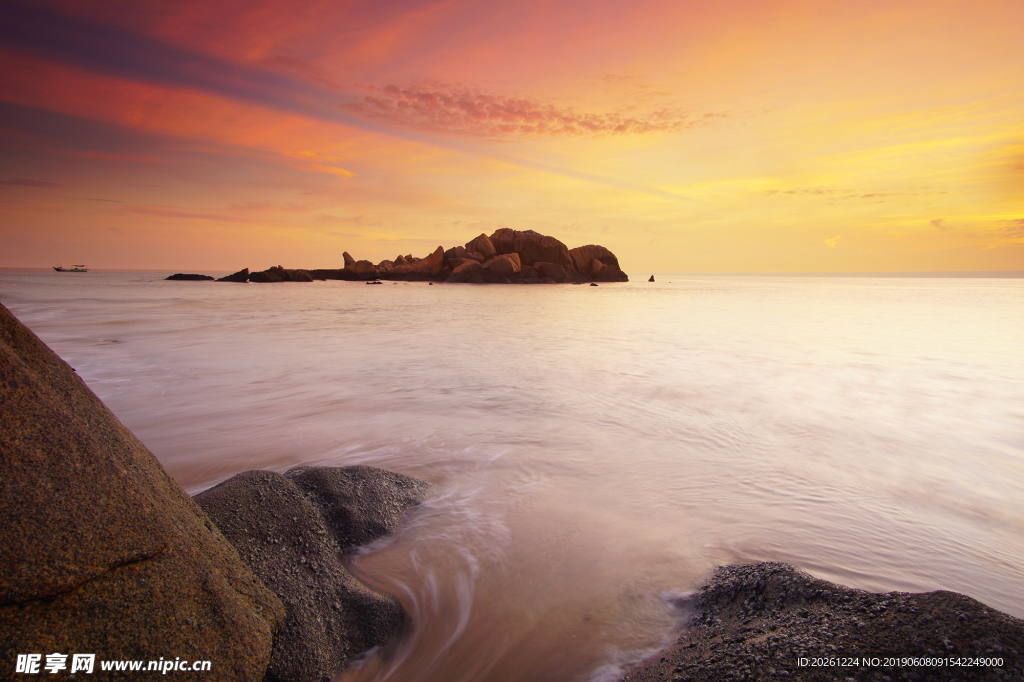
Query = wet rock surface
x=103 y=552
x=293 y=530
x=770 y=621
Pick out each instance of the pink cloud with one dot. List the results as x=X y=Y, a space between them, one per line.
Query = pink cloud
x=470 y=112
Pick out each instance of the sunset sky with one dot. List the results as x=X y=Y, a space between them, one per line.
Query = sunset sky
x=731 y=136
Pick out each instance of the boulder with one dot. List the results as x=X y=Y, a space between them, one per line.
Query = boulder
x=455 y=252
x=475 y=255
x=651 y=279
x=756 y=622
x=552 y=271
x=456 y=262
x=435 y=262
x=349 y=260
x=583 y=257
x=532 y=247
x=240 y=276
x=504 y=240
x=103 y=551
x=503 y=267
x=401 y=261
x=483 y=246
x=181 y=276
x=470 y=271
x=363 y=269
x=384 y=267
x=574 y=276
x=291 y=531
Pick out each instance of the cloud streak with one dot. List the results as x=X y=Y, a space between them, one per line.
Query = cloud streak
x=28 y=182
x=469 y=112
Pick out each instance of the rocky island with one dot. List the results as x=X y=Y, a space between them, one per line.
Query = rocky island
x=505 y=257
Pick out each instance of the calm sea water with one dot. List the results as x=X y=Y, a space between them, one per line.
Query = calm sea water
x=597 y=450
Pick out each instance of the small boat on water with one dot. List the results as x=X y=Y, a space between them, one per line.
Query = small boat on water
x=74 y=268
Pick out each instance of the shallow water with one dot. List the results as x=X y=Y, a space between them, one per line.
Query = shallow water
x=596 y=450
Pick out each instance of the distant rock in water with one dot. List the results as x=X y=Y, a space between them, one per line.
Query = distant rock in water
x=759 y=621
x=240 y=276
x=291 y=530
x=651 y=279
x=181 y=276
x=103 y=552
x=505 y=257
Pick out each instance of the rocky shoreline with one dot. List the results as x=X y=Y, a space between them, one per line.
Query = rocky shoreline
x=505 y=257
x=105 y=554
x=770 y=621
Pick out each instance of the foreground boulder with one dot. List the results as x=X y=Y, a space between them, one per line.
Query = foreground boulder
x=103 y=552
x=291 y=530
x=770 y=621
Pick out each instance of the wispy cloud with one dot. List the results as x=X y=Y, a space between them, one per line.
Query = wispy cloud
x=168 y=212
x=28 y=182
x=832 y=241
x=351 y=220
x=468 y=111
x=1013 y=229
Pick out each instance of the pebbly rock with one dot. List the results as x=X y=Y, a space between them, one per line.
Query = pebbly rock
x=291 y=530
x=103 y=550
x=760 y=621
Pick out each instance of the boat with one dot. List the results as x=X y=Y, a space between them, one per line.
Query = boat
x=74 y=268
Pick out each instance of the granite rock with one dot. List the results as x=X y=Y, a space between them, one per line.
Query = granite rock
x=103 y=550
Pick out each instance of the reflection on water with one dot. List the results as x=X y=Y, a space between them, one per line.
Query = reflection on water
x=596 y=450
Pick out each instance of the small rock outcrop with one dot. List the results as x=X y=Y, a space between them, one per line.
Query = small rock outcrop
x=102 y=550
x=181 y=276
x=280 y=274
x=240 y=276
x=290 y=531
x=756 y=622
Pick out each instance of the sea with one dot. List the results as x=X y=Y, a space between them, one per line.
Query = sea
x=596 y=451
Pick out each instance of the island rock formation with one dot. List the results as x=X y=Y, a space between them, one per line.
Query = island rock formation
x=104 y=553
x=506 y=256
x=770 y=621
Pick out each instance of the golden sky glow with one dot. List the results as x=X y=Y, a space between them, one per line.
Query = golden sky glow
x=734 y=136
